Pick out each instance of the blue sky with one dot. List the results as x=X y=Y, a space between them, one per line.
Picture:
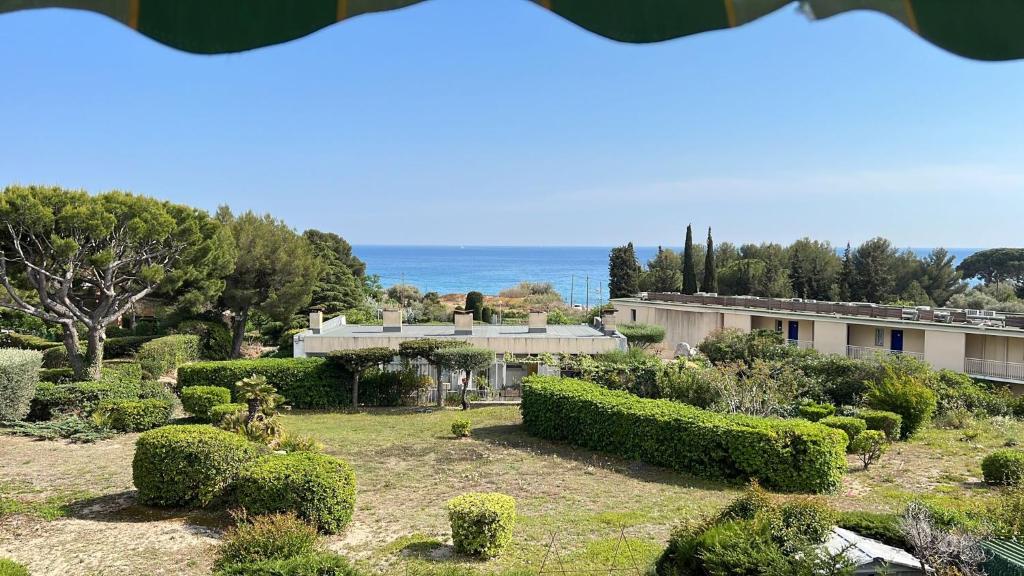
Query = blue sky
x=469 y=122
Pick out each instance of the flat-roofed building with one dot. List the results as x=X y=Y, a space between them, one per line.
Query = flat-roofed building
x=981 y=343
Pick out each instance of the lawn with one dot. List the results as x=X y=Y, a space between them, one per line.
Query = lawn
x=70 y=509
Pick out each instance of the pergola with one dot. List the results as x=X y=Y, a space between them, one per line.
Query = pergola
x=978 y=29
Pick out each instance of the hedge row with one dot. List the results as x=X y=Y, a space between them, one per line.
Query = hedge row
x=304 y=382
x=19 y=375
x=25 y=341
x=134 y=415
x=119 y=381
x=163 y=355
x=792 y=455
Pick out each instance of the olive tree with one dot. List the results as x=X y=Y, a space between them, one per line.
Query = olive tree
x=357 y=361
x=426 y=349
x=81 y=261
x=466 y=359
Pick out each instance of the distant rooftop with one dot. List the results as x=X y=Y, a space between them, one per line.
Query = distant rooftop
x=448 y=331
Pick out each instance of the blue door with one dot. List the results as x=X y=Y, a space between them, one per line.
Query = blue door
x=794 y=330
x=897 y=341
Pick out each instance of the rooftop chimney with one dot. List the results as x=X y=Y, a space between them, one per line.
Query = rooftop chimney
x=608 y=324
x=392 y=320
x=316 y=321
x=538 y=322
x=463 y=322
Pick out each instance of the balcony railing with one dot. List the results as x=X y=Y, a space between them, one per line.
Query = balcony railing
x=994 y=369
x=801 y=344
x=869 y=352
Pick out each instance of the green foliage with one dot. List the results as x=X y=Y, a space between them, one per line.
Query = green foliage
x=995 y=265
x=134 y=415
x=905 y=395
x=692 y=383
x=815 y=412
x=19 y=375
x=358 y=360
x=318 y=488
x=663 y=273
x=389 y=387
x=11 y=568
x=271 y=537
x=790 y=455
x=689 y=270
x=623 y=272
x=461 y=427
x=274 y=274
x=1004 y=467
x=425 y=347
x=475 y=304
x=310 y=564
x=642 y=336
x=199 y=400
x=890 y=423
x=219 y=411
x=1006 y=513
x=710 y=281
x=482 y=523
x=68 y=427
x=465 y=358
x=635 y=370
x=730 y=346
x=26 y=342
x=163 y=355
x=155 y=389
x=843 y=380
x=56 y=357
x=124 y=346
x=188 y=465
x=342 y=281
x=82 y=398
x=56 y=375
x=957 y=391
x=807 y=520
x=304 y=382
x=848 y=424
x=754 y=501
x=881 y=526
x=286 y=343
x=869 y=445
x=214 y=338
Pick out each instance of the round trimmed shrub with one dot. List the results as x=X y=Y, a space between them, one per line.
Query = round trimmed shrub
x=807 y=519
x=461 y=427
x=188 y=465
x=134 y=415
x=1004 y=467
x=198 y=400
x=221 y=411
x=852 y=426
x=318 y=488
x=815 y=412
x=19 y=376
x=482 y=523
x=884 y=421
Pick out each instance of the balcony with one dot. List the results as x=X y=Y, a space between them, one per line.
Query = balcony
x=994 y=369
x=801 y=344
x=870 y=352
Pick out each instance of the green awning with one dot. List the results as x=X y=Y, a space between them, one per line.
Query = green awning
x=979 y=29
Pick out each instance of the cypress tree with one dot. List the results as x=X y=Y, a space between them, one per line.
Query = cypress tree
x=710 y=283
x=846 y=275
x=689 y=273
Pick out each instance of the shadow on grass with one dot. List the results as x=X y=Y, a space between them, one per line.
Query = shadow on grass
x=122 y=507
x=514 y=436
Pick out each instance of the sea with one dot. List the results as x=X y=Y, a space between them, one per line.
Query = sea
x=578 y=273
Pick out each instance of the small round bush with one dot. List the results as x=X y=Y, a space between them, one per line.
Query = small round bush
x=318 y=488
x=220 y=411
x=815 y=412
x=869 y=445
x=852 y=426
x=461 y=427
x=807 y=519
x=752 y=502
x=482 y=523
x=1004 y=467
x=889 y=423
x=134 y=415
x=198 y=400
x=188 y=465
x=271 y=537
x=12 y=568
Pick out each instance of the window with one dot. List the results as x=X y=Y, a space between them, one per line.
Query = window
x=879 y=337
x=778 y=326
x=632 y=314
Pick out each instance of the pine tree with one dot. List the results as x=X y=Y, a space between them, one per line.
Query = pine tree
x=623 y=272
x=689 y=274
x=846 y=275
x=710 y=283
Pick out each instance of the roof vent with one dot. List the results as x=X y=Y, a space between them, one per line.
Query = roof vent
x=608 y=324
x=538 y=323
x=463 y=323
x=316 y=321
x=392 y=320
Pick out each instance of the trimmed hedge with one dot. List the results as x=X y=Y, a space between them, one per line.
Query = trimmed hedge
x=199 y=400
x=318 y=488
x=888 y=422
x=163 y=355
x=304 y=382
x=792 y=455
x=26 y=342
x=56 y=375
x=1004 y=467
x=134 y=415
x=124 y=346
x=482 y=523
x=852 y=426
x=188 y=465
x=221 y=411
x=19 y=376
x=815 y=412
x=83 y=397
x=214 y=338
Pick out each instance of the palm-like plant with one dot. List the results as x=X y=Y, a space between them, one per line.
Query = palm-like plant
x=258 y=395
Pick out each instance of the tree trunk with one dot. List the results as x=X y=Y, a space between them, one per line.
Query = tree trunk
x=238 y=329
x=355 y=390
x=87 y=365
x=94 y=352
x=440 y=386
x=465 y=388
